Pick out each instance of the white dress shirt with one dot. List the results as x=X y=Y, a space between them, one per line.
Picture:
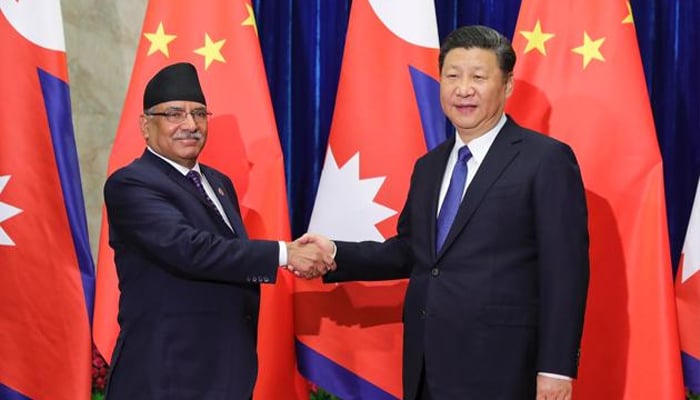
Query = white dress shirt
x=478 y=147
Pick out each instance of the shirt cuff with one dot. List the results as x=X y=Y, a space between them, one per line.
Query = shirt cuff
x=556 y=376
x=282 y=253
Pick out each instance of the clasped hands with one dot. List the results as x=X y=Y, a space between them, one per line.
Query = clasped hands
x=310 y=256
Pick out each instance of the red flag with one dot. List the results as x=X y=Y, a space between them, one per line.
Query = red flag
x=350 y=335
x=579 y=78
x=46 y=273
x=220 y=39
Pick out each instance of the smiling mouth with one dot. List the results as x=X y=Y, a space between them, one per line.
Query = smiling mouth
x=465 y=107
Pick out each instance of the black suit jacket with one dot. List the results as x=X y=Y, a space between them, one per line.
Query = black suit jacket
x=505 y=296
x=188 y=308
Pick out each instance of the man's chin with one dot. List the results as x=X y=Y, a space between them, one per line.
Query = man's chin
x=189 y=153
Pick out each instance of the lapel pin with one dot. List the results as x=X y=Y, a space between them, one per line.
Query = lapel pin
x=221 y=191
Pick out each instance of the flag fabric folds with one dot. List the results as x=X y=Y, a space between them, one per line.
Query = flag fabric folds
x=688 y=299
x=46 y=270
x=387 y=109
x=579 y=78
x=220 y=39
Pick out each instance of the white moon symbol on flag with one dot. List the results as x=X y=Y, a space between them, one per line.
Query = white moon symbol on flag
x=39 y=21
x=412 y=20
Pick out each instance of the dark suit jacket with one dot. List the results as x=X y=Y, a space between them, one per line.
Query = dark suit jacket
x=188 y=309
x=505 y=296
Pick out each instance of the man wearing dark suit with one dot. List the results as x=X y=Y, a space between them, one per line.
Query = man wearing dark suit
x=493 y=238
x=188 y=275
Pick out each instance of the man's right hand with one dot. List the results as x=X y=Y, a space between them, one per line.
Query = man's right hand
x=308 y=259
x=321 y=241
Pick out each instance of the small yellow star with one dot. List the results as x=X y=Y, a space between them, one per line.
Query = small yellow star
x=536 y=39
x=211 y=51
x=250 y=21
x=629 y=19
x=159 y=40
x=590 y=49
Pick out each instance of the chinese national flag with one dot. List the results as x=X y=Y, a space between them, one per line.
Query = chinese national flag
x=387 y=112
x=220 y=39
x=579 y=78
x=46 y=271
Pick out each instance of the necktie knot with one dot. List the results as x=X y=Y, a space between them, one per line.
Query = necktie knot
x=464 y=154
x=195 y=178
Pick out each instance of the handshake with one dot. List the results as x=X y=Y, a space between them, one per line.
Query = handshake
x=310 y=256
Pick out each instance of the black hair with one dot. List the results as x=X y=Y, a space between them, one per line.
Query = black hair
x=482 y=37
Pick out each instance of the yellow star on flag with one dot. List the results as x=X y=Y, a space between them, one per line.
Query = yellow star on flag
x=629 y=19
x=159 y=40
x=250 y=21
x=211 y=51
x=590 y=49
x=536 y=39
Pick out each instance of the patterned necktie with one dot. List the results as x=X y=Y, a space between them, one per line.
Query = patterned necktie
x=196 y=179
x=453 y=197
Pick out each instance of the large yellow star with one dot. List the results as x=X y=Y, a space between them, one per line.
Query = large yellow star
x=159 y=40
x=629 y=19
x=536 y=39
x=211 y=51
x=590 y=49
x=250 y=21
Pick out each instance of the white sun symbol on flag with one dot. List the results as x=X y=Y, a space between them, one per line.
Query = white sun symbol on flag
x=6 y=212
x=345 y=208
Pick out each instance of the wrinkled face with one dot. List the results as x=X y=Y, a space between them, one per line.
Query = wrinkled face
x=180 y=141
x=473 y=90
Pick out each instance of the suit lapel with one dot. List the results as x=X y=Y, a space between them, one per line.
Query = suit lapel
x=174 y=175
x=214 y=181
x=227 y=202
x=503 y=150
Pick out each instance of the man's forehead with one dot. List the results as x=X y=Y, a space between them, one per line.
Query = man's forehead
x=474 y=56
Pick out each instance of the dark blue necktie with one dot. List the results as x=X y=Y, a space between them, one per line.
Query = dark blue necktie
x=453 y=197
x=196 y=179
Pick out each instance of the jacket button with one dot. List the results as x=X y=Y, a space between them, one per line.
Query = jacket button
x=435 y=272
x=423 y=314
x=266 y=279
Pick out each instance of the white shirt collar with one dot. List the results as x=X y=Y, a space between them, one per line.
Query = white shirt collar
x=481 y=145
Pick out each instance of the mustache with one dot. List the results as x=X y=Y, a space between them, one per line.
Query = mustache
x=187 y=135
